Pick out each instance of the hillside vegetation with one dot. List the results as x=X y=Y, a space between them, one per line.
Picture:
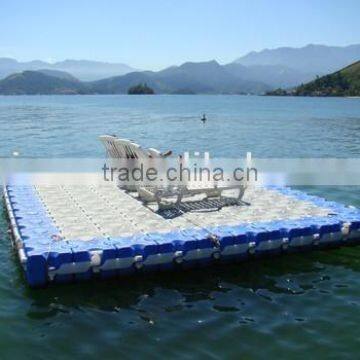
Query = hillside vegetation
x=345 y=82
x=38 y=83
x=140 y=89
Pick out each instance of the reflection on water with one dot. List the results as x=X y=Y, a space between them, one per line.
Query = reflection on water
x=305 y=292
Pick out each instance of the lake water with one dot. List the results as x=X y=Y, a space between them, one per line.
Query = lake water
x=296 y=306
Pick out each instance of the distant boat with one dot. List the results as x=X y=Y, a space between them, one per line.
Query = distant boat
x=203 y=119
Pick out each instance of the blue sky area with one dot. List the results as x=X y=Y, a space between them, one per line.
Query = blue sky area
x=158 y=33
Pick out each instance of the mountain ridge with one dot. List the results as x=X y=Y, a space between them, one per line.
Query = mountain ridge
x=189 y=78
x=85 y=70
x=284 y=67
x=204 y=77
x=313 y=58
x=37 y=83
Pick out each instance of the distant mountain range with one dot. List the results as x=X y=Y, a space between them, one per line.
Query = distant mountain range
x=254 y=73
x=58 y=74
x=39 y=83
x=345 y=82
x=189 y=78
x=84 y=70
x=311 y=59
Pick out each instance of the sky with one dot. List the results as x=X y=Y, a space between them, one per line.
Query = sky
x=155 y=34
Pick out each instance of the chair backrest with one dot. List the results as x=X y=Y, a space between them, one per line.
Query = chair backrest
x=123 y=148
x=130 y=149
x=109 y=143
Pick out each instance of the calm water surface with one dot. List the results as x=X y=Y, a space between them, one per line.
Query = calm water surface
x=298 y=306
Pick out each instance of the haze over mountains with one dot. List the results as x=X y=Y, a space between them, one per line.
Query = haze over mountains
x=204 y=78
x=308 y=59
x=84 y=70
x=38 y=83
x=256 y=73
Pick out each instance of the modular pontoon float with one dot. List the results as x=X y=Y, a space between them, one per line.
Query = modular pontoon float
x=67 y=233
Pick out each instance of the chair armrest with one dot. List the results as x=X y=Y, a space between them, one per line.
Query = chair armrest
x=166 y=154
x=157 y=154
x=154 y=153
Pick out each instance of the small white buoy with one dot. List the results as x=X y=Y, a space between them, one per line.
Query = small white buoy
x=15 y=153
x=285 y=243
x=178 y=257
x=252 y=246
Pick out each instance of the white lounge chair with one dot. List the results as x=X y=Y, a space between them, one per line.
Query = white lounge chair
x=166 y=196
x=126 y=149
x=127 y=152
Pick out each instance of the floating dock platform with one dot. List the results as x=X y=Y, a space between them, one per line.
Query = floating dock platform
x=69 y=233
